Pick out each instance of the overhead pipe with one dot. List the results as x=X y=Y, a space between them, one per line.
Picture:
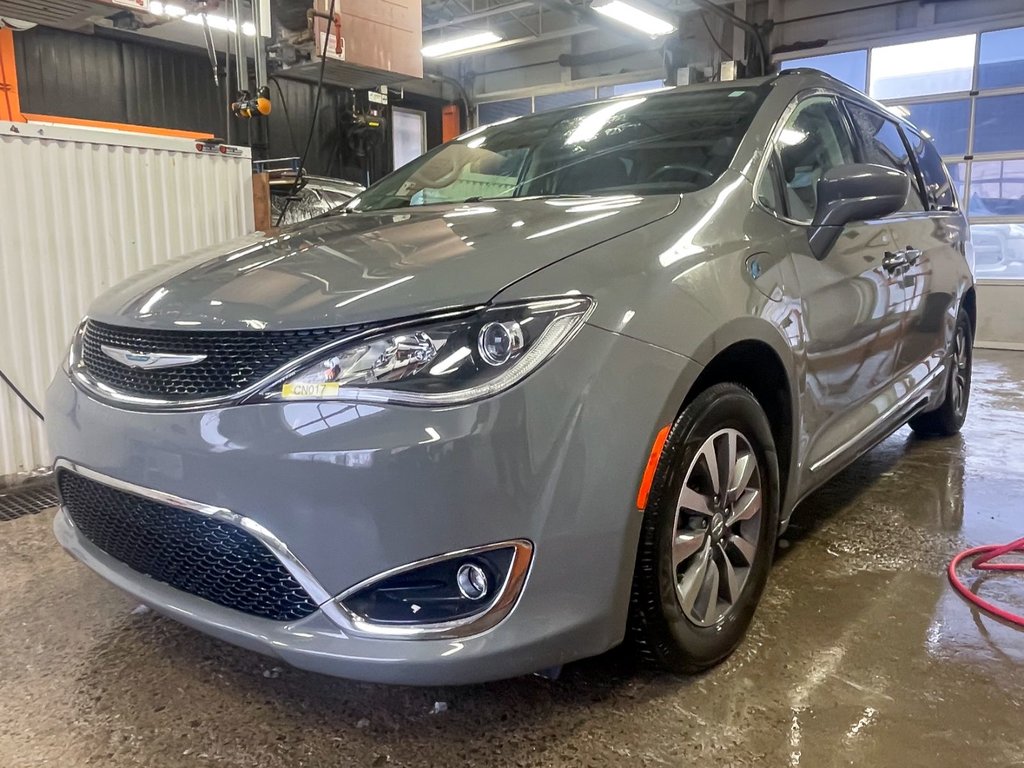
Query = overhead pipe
x=241 y=59
x=460 y=89
x=604 y=56
x=259 y=21
x=743 y=24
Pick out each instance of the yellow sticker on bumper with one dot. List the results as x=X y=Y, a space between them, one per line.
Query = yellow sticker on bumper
x=325 y=389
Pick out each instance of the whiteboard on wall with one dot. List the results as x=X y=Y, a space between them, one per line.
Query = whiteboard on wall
x=408 y=134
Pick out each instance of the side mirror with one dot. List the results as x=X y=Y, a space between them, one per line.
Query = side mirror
x=855 y=192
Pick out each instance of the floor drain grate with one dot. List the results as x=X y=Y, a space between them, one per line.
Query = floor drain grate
x=27 y=500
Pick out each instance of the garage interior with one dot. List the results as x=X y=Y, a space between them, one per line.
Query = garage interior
x=124 y=142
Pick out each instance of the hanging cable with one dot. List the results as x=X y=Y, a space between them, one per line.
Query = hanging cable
x=711 y=34
x=21 y=396
x=312 y=120
x=287 y=115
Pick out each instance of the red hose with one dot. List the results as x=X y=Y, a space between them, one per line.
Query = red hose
x=985 y=555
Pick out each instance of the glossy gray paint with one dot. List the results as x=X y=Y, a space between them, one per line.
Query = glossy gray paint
x=356 y=490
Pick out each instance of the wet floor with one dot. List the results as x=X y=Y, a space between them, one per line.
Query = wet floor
x=860 y=653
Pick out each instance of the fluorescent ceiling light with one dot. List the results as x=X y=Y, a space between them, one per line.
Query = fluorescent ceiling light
x=158 y=8
x=631 y=16
x=220 y=23
x=460 y=44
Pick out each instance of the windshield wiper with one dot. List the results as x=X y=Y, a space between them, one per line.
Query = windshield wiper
x=482 y=199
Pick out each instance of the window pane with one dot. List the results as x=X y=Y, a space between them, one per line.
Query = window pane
x=923 y=68
x=624 y=89
x=998 y=250
x=938 y=188
x=1001 y=61
x=814 y=141
x=997 y=188
x=565 y=99
x=493 y=111
x=947 y=122
x=883 y=145
x=850 y=67
x=997 y=124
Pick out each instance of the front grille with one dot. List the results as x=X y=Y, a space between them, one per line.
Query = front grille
x=187 y=550
x=234 y=359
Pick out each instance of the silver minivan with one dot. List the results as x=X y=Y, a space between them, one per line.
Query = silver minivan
x=558 y=383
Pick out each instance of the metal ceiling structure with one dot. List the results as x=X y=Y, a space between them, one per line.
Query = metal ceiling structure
x=518 y=22
x=522 y=22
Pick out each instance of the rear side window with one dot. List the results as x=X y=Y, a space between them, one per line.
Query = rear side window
x=814 y=140
x=883 y=145
x=938 y=187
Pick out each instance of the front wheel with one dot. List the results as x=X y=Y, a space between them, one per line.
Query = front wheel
x=948 y=418
x=708 y=532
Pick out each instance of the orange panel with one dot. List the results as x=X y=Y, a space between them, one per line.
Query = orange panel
x=10 y=104
x=451 y=122
x=118 y=126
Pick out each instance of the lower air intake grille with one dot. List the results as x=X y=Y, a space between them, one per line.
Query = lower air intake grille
x=189 y=551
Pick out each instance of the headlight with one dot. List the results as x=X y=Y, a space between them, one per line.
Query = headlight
x=442 y=362
x=68 y=363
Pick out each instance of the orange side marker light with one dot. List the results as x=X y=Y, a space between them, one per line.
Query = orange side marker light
x=651 y=468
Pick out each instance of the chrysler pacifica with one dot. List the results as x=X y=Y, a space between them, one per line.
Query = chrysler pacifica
x=557 y=383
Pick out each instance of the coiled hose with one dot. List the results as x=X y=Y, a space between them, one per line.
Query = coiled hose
x=984 y=556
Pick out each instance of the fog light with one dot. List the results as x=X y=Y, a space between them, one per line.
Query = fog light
x=472 y=581
x=429 y=595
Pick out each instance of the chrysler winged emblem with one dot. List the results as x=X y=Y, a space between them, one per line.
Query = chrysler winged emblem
x=149 y=360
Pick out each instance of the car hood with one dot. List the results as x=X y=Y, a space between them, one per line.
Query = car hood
x=356 y=268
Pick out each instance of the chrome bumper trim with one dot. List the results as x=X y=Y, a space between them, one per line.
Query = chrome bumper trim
x=349 y=623
x=489 y=615
x=277 y=547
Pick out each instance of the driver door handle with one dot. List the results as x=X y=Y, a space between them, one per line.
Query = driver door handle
x=893 y=263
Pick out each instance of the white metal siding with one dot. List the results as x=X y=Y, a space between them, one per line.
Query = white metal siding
x=81 y=210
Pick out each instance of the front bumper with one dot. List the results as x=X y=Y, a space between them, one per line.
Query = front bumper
x=356 y=490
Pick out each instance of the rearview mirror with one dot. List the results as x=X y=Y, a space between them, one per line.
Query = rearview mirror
x=855 y=192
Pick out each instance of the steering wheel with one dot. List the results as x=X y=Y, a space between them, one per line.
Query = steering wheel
x=694 y=169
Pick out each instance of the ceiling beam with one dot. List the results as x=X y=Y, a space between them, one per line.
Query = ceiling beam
x=471 y=17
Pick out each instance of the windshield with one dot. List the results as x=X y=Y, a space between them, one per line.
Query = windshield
x=664 y=143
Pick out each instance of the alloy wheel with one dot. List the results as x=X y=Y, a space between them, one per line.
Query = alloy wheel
x=961 y=370
x=717 y=527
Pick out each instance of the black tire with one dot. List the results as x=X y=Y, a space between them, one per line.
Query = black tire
x=948 y=418
x=659 y=627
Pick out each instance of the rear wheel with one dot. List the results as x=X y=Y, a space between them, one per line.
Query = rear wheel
x=708 y=533
x=948 y=418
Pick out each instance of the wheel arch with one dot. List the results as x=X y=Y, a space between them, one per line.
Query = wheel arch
x=970 y=305
x=753 y=354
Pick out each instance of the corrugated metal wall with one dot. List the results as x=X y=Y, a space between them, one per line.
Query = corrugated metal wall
x=135 y=81
x=79 y=211
x=96 y=78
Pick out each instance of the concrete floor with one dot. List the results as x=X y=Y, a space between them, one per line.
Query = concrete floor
x=860 y=653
